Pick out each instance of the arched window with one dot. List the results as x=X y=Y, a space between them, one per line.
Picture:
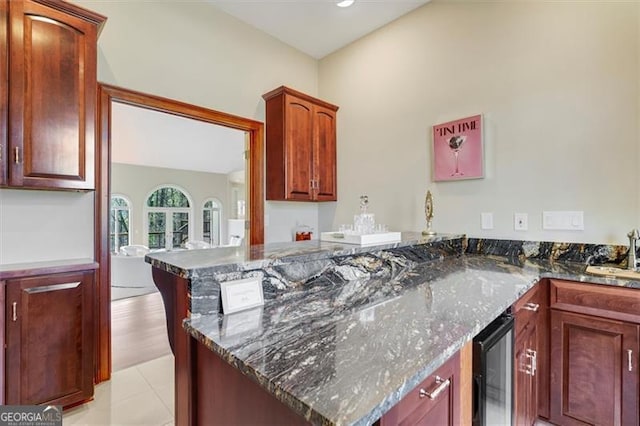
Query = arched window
x=168 y=218
x=211 y=221
x=119 y=220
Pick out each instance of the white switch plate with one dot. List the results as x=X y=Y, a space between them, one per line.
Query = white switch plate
x=486 y=220
x=563 y=220
x=520 y=221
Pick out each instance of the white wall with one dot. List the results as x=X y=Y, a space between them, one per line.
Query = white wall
x=45 y=225
x=557 y=84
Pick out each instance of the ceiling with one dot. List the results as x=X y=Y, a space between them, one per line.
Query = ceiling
x=317 y=27
x=145 y=137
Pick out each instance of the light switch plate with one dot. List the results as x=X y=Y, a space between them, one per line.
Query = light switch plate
x=563 y=220
x=486 y=220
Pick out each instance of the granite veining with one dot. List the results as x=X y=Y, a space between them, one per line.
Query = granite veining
x=187 y=263
x=344 y=335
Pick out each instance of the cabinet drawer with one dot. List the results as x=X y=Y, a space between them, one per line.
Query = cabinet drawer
x=599 y=300
x=527 y=308
x=417 y=407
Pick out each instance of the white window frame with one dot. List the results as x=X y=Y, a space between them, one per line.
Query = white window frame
x=220 y=207
x=129 y=209
x=168 y=232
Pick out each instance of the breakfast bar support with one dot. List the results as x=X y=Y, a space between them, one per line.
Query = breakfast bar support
x=174 y=292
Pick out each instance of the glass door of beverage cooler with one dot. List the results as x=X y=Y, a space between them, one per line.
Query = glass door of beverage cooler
x=493 y=374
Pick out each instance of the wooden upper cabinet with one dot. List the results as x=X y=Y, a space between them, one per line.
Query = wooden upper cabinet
x=300 y=148
x=4 y=89
x=52 y=95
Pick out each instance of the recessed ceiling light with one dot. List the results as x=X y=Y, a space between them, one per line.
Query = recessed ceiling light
x=345 y=3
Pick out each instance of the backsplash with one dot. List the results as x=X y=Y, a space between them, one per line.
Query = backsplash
x=592 y=254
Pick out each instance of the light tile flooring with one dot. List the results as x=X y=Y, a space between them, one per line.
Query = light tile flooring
x=140 y=395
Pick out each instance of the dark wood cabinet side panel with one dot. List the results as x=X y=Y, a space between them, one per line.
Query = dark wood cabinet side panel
x=543 y=329
x=4 y=92
x=274 y=150
x=227 y=397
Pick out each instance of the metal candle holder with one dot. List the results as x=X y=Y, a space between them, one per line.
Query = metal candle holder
x=428 y=211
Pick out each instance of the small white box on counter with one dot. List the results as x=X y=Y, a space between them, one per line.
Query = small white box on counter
x=361 y=239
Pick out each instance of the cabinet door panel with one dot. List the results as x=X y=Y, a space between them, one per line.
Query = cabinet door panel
x=53 y=96
x=590 y=379
x=325 y=154
x=49 y=339
x=298 y=150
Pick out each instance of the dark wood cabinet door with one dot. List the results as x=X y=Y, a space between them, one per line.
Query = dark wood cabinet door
x=526 y=380
x=52 y=83
x=298 y=148
x=49 y=354
x=435 y=401
x=4 y=89
x=324 y=154
x=594 y=377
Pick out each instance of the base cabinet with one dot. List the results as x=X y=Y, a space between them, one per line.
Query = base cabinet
x=435 y=401
x=594 y=375
x=595 y=339
x=49 y=339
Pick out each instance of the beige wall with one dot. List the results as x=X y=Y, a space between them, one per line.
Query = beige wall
x=557 y=84
x=138 y=182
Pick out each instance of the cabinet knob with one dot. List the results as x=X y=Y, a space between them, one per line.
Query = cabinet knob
x=441 y=386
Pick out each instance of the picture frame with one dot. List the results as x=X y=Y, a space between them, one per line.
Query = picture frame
x=240 y=295
x=458 y=149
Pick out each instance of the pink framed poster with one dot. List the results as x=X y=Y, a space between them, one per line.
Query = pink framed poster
x=457 y=149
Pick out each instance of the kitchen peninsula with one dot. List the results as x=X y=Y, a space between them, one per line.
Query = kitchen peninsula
x=346 y=332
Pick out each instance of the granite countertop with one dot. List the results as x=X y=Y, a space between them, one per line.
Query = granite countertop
x=20 y=270
x=187 y=263
x=345 y=354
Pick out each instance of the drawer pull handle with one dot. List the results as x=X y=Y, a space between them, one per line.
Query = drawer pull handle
x=531 y=307
x=16 y=155
x=14 y=315
x=54 y=287
x=442 y=385
x=630 y=359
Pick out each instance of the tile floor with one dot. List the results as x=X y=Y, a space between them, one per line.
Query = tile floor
x=141 y=395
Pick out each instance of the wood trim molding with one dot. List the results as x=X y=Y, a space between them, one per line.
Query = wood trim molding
x=108 y=94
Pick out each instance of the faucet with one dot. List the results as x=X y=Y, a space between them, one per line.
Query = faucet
x=632 y=259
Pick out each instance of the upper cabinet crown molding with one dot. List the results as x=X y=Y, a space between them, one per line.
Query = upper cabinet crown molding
x=52 y=95
x=300 y=147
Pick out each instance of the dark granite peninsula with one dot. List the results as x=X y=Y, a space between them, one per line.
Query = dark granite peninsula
x=345 y=332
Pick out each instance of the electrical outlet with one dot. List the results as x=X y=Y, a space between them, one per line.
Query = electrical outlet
x=486 y=220
x=520 y=221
